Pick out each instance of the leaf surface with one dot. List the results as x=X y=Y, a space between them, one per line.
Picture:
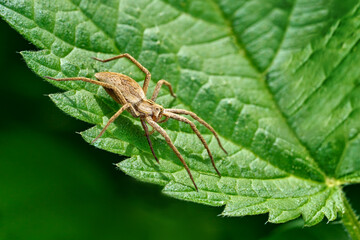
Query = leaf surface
x=278 y=80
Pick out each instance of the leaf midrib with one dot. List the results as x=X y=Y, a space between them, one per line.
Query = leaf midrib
x=265 y=199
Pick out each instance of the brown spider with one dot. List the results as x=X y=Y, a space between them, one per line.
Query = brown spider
x=127 y=92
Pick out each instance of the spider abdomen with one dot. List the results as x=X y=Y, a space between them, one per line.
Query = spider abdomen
x=130 y=89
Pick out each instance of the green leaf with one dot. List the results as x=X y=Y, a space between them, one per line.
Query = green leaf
x=278 y=80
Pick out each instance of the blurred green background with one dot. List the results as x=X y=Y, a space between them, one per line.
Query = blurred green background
x=56 y=186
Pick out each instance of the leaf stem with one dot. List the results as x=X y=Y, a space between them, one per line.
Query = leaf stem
x=351 y=221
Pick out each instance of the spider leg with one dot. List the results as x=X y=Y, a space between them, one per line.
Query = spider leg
x=169 y=142
x=152 y=131
x=143 y=123
x=194 y=116
x=105 y=85
x=158 y=86
x=131 y=58
x=164 y=120
x=193 y=127
x=112 y=119
x=161 y=121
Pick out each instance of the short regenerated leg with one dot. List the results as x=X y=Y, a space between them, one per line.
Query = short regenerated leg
x=158 y=86
x=164 y=120
x=194 y=116
x=193 y=127
x=169 y=142
x=143 y=123
x=161 y=121
x=131 y=58
x=152 y=131
x=112 y=119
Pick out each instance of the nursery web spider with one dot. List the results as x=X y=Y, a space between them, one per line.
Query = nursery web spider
x=127 y=92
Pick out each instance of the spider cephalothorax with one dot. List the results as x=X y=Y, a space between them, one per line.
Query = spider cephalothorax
x=150 y=108
x=128 y=93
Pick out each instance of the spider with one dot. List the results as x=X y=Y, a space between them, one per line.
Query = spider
x=127 y=92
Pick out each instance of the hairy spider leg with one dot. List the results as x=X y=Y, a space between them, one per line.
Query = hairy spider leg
x=131 y=58
x=158 y=86
x=164 y=120
x=193 y=127
x=194 y=116
x=143 y=123
x=169 y=142
x=105 y=85
x=161 y=121
x=112 y=119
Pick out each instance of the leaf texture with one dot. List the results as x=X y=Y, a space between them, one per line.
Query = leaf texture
x=278 y=80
